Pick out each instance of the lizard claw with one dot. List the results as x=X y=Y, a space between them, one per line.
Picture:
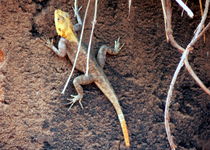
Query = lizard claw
x=117 y=45
x=75 y=8
x=74 y=100
x=48 y=42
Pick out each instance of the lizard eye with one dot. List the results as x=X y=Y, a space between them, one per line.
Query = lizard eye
x=60 y=19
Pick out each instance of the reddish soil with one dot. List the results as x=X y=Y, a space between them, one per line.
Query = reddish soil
x=33 y=114
x=2 y=56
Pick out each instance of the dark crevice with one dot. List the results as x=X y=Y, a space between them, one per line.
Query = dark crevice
x=5 y=102
x=112 y=4
x=47 y=146
x=207 y=84
x=43 y=3
x=34 y=31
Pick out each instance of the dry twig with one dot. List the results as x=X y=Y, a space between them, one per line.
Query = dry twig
x=91 y=36
x=184 y=6
x=184 y=60
x=201 y=8
x=163 y=2
x=129 y=6
x=183 y=9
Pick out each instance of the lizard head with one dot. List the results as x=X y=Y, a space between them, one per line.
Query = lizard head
x=64 y=26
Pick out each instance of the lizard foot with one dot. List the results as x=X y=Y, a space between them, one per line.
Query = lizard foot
x=117 y=45
x=76 y=9
x=74 y=100
x=48 y=42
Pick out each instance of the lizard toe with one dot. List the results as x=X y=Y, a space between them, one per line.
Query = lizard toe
x=74 y=100
x=117 y=45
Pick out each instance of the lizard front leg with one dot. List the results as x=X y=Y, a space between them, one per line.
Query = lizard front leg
x=78 y=81
x=101 y=56
x=61 y=50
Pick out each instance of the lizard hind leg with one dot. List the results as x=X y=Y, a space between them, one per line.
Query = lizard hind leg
x=101 y=56
x=78 y=81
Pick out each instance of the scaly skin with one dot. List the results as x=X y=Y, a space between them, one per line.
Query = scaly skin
x=68 y=44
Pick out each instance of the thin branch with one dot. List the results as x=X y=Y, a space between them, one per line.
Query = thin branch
x=203 y=31
x=129 y=6
x=163 y=2
x=200 y=83
x=201 y=8
x=199 y=28
x=79 y=45
x=91 y=36
x=168 y=100
x=183 y=9
x=184 y=6
x=190 y=70
x=187 y=65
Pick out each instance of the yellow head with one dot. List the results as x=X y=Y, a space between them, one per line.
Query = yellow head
x=63 y=25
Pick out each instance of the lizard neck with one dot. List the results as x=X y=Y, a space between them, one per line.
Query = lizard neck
x=70 y=36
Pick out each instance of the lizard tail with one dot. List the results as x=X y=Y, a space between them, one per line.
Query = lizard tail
x=122 y=122
x=106 y=88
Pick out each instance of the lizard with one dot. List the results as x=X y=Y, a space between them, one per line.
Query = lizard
x=67 y=45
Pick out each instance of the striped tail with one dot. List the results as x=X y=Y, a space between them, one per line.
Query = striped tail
x=123 y=124
x=106 y=88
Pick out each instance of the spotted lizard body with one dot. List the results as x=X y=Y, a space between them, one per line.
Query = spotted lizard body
x=68 y=44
